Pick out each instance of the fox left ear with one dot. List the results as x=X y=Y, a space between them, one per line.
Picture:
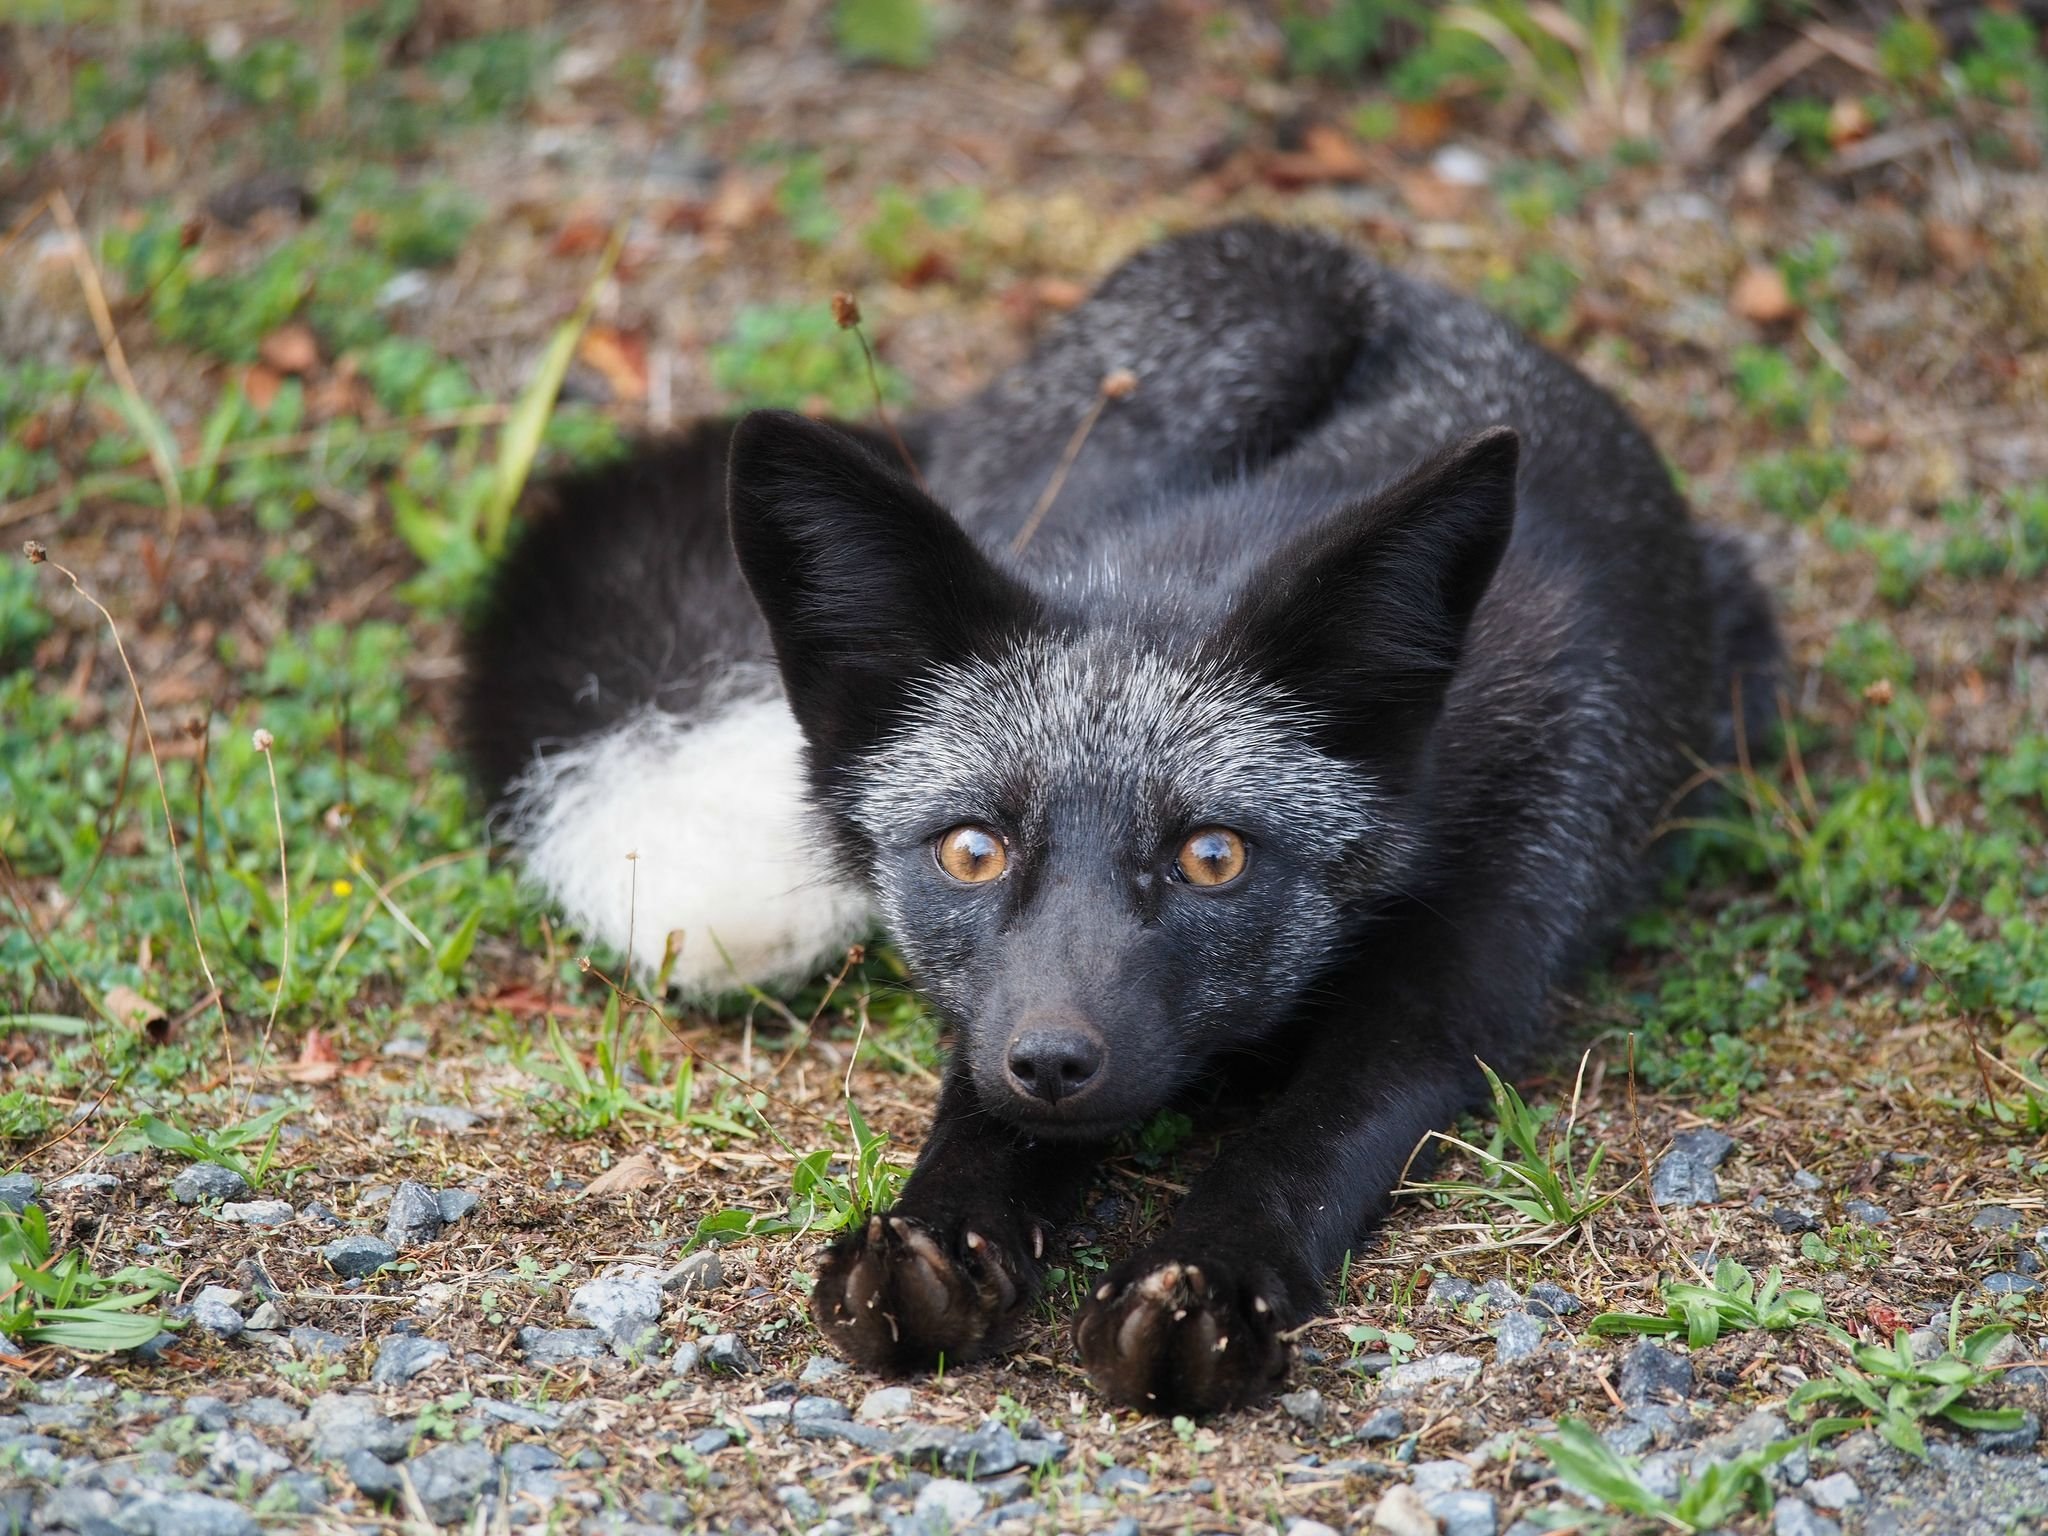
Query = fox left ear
x=1363 y=619
x=865 y=581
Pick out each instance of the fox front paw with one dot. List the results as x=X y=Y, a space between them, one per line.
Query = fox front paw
x=1166 y=1336
x=898 y=1295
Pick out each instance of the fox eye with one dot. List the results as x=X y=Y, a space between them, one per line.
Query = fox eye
x=970 y=854
x=1211 y=856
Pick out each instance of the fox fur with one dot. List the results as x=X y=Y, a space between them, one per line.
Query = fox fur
x=1361 y=595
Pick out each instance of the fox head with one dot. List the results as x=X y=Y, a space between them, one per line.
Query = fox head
x=1108 y=848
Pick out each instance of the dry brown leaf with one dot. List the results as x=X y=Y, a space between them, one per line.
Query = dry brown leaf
x=621 y=356
x=136 y=1013
x=260 y=385
x=291 y=348
x=319 y=1061
x=1762 y=295
x=635 y=1172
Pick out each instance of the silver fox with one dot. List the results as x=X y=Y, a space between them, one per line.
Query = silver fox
x=1317 y=736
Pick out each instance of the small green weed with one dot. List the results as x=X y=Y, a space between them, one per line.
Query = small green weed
x=224 y=1146
x=795 y=355
x=896 y=32
x=1899 y=1395
x=822 y=1201
x=1723 y=1491
x=1733 y=1303
x=55 y=1298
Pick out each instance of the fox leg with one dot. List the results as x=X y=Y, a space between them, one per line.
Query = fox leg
x=946 y=1272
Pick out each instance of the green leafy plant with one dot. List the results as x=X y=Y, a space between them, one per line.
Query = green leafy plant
x=1396 y=1343
x=1537 y=1184
x=1733 y=1303
x=55 y=1298
x=1898 y=1395
x=897 y=32
x=821 y=1200
x=223 y=1146
x=1718 y=1493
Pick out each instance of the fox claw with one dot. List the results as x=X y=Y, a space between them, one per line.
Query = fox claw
x=898 y=1295
x=1177 y=1338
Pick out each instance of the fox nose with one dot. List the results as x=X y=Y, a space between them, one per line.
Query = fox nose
x=1054 y=1060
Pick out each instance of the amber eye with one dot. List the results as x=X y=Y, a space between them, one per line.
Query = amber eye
x=972 y=855
x=1211 y=856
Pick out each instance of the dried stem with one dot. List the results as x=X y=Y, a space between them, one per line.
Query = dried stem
x=1118 y=384
x=262 y=740
x=846 y=310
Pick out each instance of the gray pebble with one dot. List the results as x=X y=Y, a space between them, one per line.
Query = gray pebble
x=711 y=1440
x=810 y=1410
x=373 y=1478
x=946 y=1504
x=216 y=1317
x=1705 y=1145
x=686 y=1359
x=1682 y=1181
x=1788 y=1219
x=725 y=1352
x=1041 y=1451
x=2007 y=1283
x=1383 y=1424
x=1440 y=1476
x=17 y=1190
x=820 y=1368
x=988 y=1451
x=456 y=1204
x=1306 y=1406
x=2022 y=1437
x=450 y=1478
x=625 y=1307
x=1812 y=1183
x=884 y=1405
x=320 y=1213
x=318 y=1341
x=701 y=1271
x=541 y=1420
x=1997 y=1218
x=296 y=1493
x=1650 y=1374
x=95 y=1186
x=208 y=1181
x=1449 y=1292
x=448 y=1119
x=403 y=1356
x=1519 y=1336
x=797 y=1499
x=868 y=1437
x=265 y=1319
x=268 y=1413
x=1837 y=1490
x=358 y=1255
x=1300 y=1525
x=1796 y=1517
x=562 y=1346
x=1870 y=1215
x=1458 y=1370
x=414 y=1217
x=1120 y=1479
x=1465 y=1512
x=237 y=1453
x=341 y=1422
x=184 y=1514
x=257 y=1213
x=1498 y=1296
x=1630 y=1438
x=1553 y=1301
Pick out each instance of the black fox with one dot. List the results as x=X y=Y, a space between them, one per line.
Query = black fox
x=1321 y=727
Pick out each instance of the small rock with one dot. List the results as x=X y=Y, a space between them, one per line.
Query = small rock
x=1440 y=1476
x=1465 y=1512
x=625 y=1306
x=208 y=1181
x=686 y=1359
x=269 y=1413
x=711 y=1440
x=1786 y=1219
x=946 y=1504
x=359 y=1255
x=1870 y=1215
x=1450 y=1293
x=868 y=1437
x=1552 y=1301
x=1306 y=1406
x=1810 y=1182
x=373 y=1479
x=820 y=1368
x=456 y=1204
x=774 y=1410
x=217 y=1317
x=701 y=1271
x=2022 y=1437
x=2006 y=1283
x=341 y=1422
x=1113 y=1480
x=296 y=1493
x=1519 y=1336
x=1302 y=1526
x=414 y=1217
x=405 y=1048
x=320 y=1213
x=258 y=1213
x=237 y=1453
x=797 y=1499
x=988 y=1451
x=1683 y=1181
x=540 y=1420
x=1457 y=165
x=1705 y=1145
x=1997 y=1218
x=16 y=1190
x=1649 y=1374
x=1837 y=1490
x=1401 y=1513
x=450 y=1478
x=403 y=1356
x=265 y=1319
x=885 y=1405
x=1498 y=1296
x=812 y=1410
x=318 y=1341
x=184 y=1514
x=1375 y=1362
x=1403 y=1380
x=96 y=1186
x=562 y=1346
x=445 y=1118
x=1383 y=1424
x=1037 y=1451
x=1796 y=1517
x=725 y=1352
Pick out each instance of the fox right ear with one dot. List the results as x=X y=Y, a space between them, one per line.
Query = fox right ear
x=865 y=581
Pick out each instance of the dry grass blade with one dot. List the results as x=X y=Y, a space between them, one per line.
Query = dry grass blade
x=262 y=740
x=156 y=437
x=846 y=311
